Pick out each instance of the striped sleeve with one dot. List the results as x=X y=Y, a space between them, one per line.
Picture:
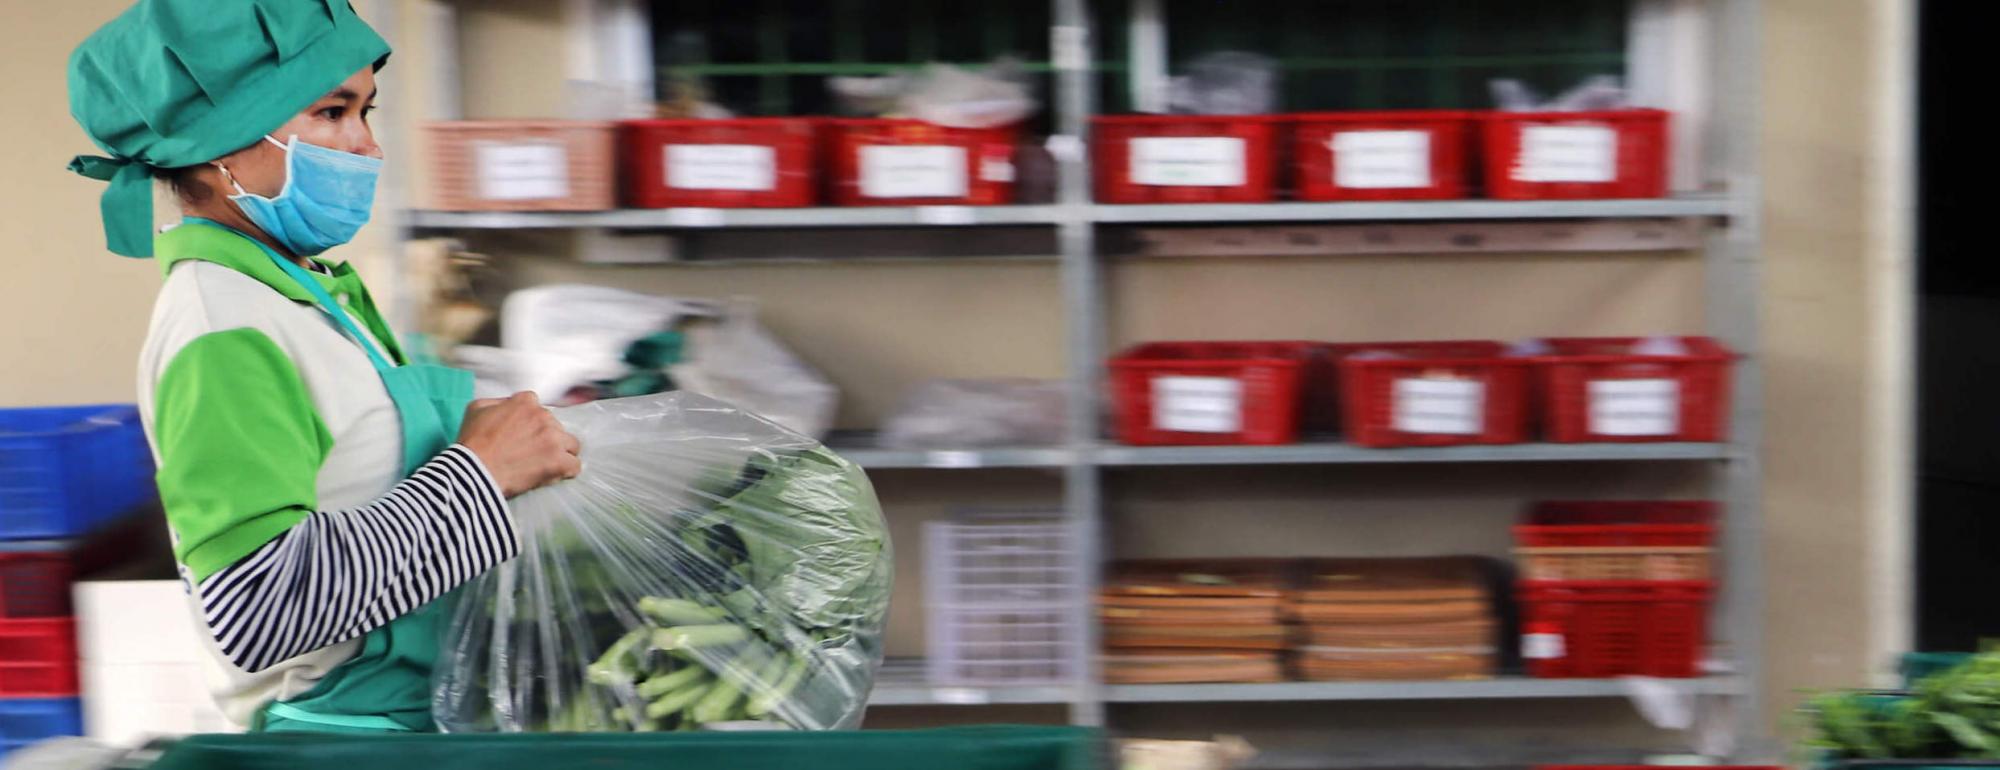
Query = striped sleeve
x=338 y=574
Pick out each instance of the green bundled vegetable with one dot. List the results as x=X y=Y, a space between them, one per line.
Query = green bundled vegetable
x=707 y=567
x=1954 y=714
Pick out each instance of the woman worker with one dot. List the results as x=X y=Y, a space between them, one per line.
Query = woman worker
x=323 y=495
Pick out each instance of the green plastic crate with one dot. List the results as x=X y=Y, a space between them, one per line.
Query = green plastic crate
x=970 y=748
x=1921 y=665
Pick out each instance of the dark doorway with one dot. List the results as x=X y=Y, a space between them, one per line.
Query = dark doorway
x=1958 y=344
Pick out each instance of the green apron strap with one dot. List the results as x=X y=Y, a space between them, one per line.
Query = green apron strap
x=365 y=723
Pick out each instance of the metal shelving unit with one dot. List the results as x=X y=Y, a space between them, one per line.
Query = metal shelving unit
x=1731 y=265
x=1309 y=453
x=971 y=216
x=902 y=684
x=658 y=219
x=1504 y=688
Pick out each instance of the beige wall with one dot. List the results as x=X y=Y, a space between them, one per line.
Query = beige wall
x=1832 y=500
x=72 y=315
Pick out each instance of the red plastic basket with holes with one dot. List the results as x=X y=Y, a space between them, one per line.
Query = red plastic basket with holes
x=747 y=163
x=1185 y=158
x=1669 y=540
x=1432 y=393
x=1598 y=390
x=886 y=162
x=1193 y=393
x=35 y=585
x=1594 y=629
x=37 y=657
x=1557 y=155
x=1610 y=523
x=1358 y=156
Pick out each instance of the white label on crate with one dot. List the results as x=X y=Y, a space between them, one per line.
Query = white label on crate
x=913 y=171
x=951 y=459
x=1188 y=161
x=1543 y=647
x=1198 y=404
x=1430 y=405
x=1567 y=154
x=997 y=170
x=722 y=167
x=1635 y=407
x=1373 y=160
x=521 y=171
x=945 y=215
x=960 y=696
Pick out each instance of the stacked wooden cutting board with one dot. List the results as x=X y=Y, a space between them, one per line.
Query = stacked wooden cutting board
x=1186 y=621
x=1195 y=621
x=1395 y=619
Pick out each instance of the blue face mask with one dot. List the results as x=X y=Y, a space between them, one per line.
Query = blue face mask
x=326 y=200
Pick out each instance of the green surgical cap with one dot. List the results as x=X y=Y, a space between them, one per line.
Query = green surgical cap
x=172 y=83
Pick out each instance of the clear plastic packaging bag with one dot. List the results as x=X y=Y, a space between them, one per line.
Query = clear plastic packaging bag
x=997 y=94
x=708 y=567
x=942 y=414
x=1226 y=83
x=732 y=356
x=1597 y=92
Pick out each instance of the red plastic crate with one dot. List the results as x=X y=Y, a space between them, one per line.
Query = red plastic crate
x=1185 y=158
x=35 y=585
x=1432 y=394
x=1222 y=392
x=1596 y=390
x=1617 y=540
x=1556 y=155
x=37 y=658
x=905 y=175
x=1579 y=629
x=1411 y=155
x=747 y=163
x=1617 y=523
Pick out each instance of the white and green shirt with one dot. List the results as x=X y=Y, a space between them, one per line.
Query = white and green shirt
x=280 y=459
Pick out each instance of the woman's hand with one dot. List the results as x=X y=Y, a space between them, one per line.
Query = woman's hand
x=521 y=443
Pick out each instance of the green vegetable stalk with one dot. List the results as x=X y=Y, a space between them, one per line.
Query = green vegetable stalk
x=710 y=567
x=697 y=637
x=1954 y=714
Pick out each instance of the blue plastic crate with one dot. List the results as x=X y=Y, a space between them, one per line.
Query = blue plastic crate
x=67 y=469
x=26 y=721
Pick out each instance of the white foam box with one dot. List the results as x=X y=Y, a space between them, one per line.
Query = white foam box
x=145 y=682
x=130 y=723
x=136 y=621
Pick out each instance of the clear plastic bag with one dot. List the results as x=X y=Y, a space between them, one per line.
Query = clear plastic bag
x=708 y=567
x=1226 y=83
x=942 y=414
x=1597 y=92
x=998 y=94
x=732 y=356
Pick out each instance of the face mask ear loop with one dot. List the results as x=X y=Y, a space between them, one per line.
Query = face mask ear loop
x=231 y=178
x=228 y=177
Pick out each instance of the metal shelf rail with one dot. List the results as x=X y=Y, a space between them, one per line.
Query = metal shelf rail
x=1699 y=205
x=1731 y=262
x=902 y=683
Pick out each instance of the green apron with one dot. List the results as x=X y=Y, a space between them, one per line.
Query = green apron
x=386 y=686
